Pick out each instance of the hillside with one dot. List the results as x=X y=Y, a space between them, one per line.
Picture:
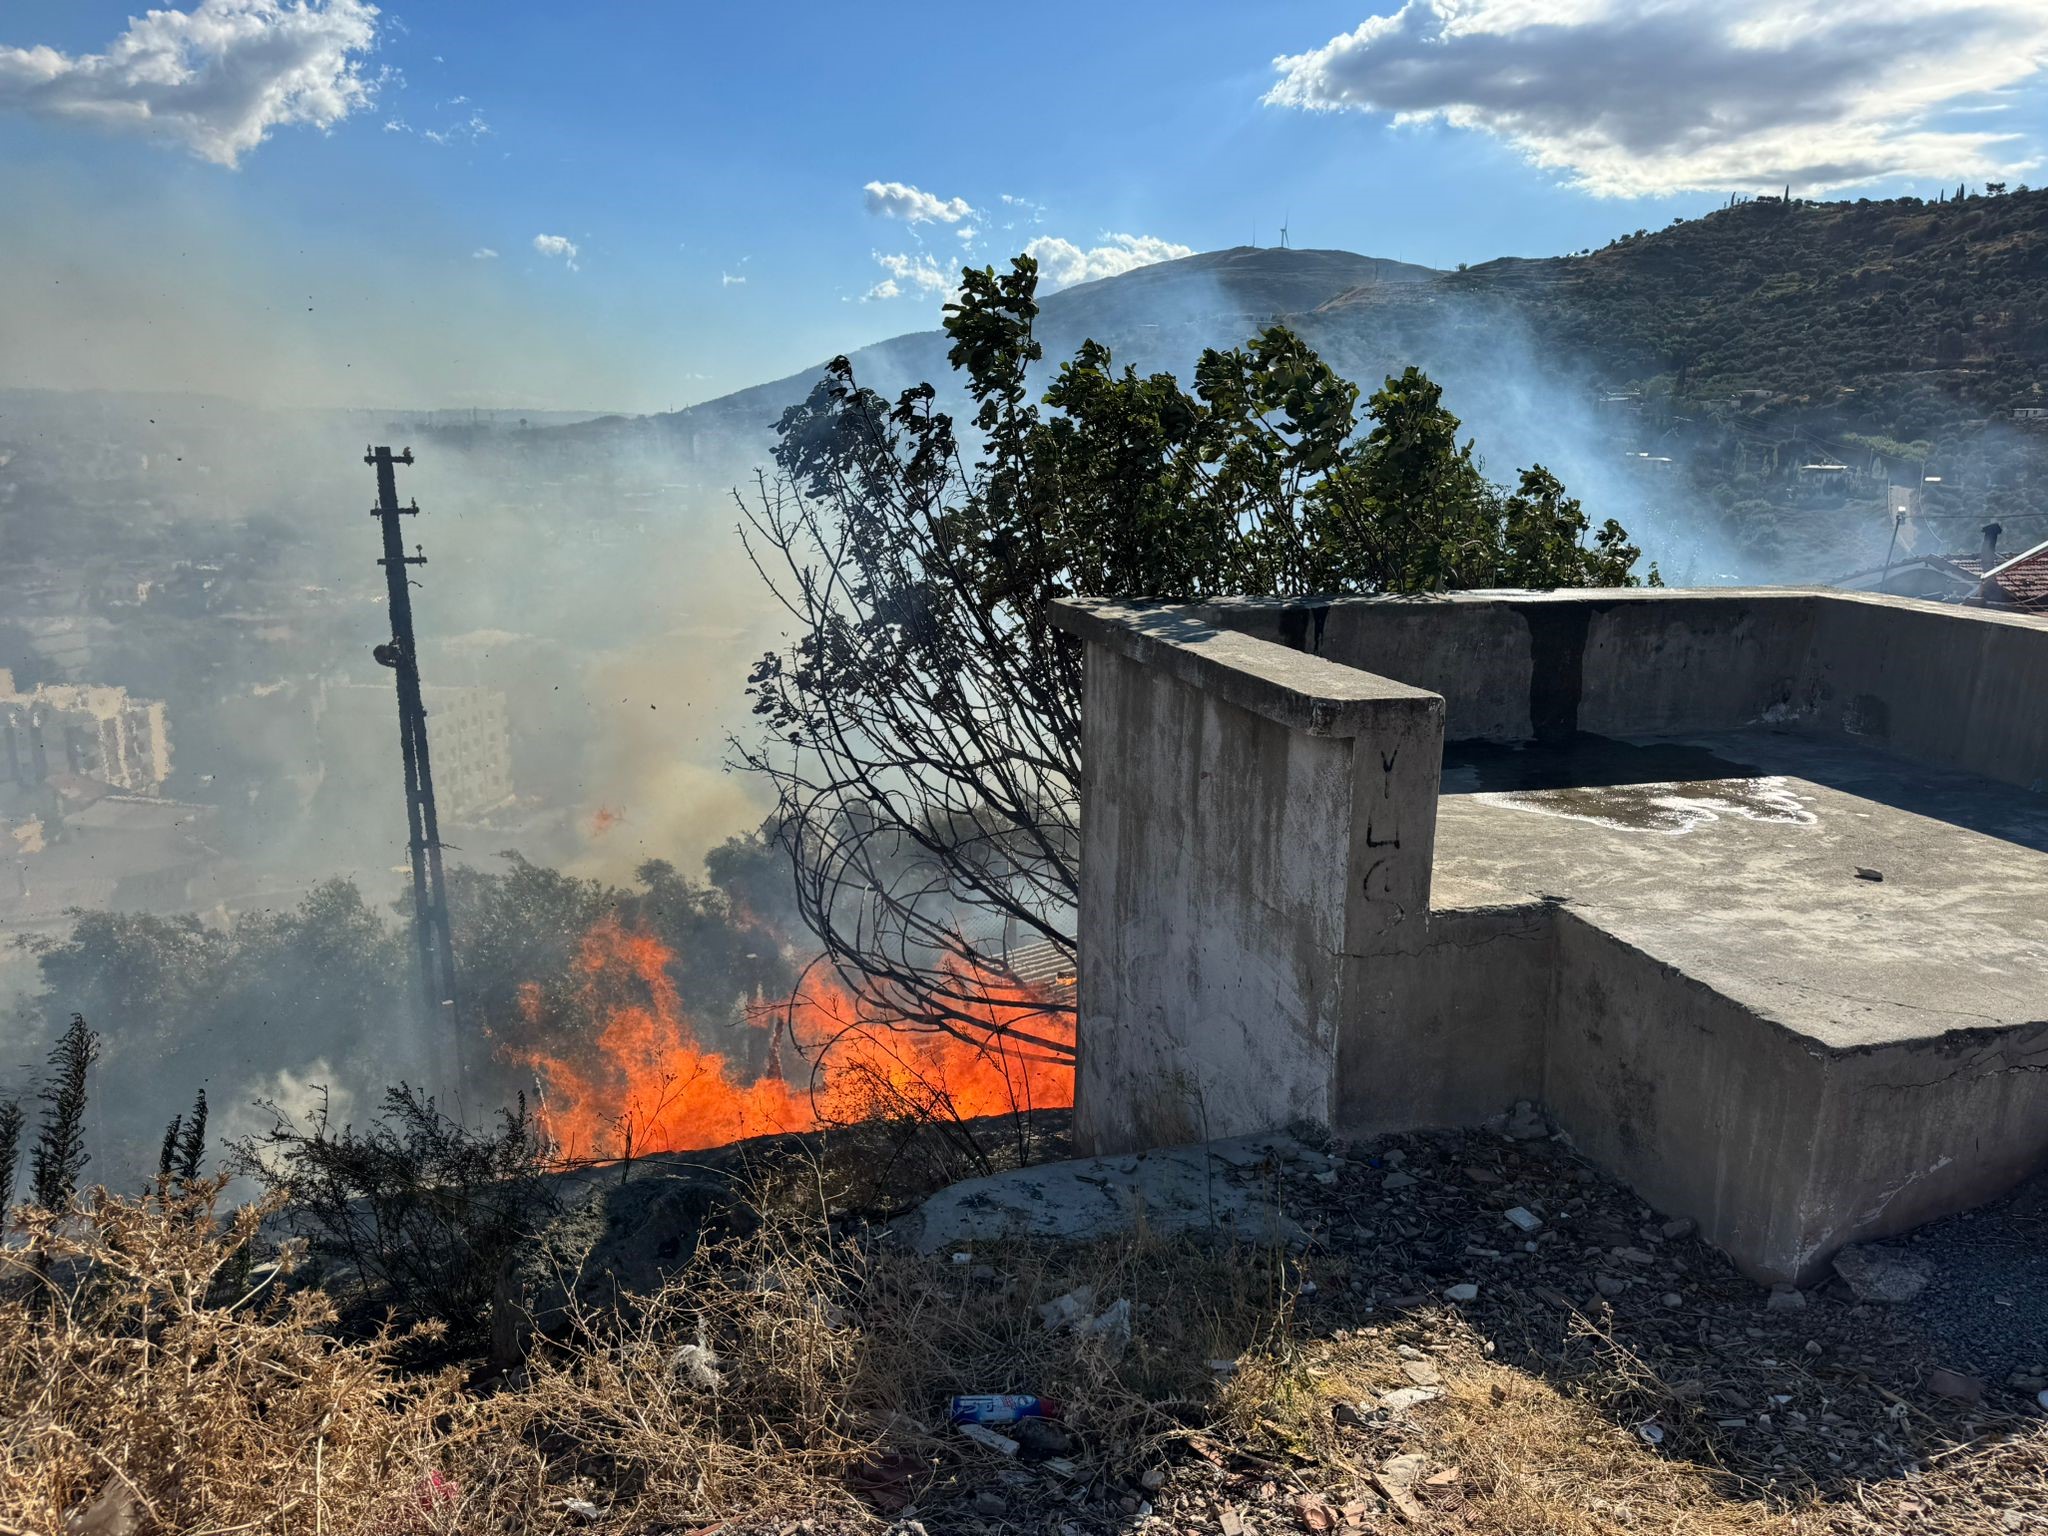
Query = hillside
x=1796 y=360
x=1754 y=392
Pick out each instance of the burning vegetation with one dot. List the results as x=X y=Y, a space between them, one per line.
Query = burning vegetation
x=642 y=1077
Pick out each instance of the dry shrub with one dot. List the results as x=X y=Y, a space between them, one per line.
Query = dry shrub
x=790 y=1373
x=153 y=1378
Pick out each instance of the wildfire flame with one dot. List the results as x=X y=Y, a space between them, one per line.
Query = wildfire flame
x=603 y=819
x=649 y=1084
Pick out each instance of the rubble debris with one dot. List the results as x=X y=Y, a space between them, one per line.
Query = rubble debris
x=1522 y=1218
x=1422 y=1373
x=1526 y=1123
x=982 y=1435
x=1462 y=1292
x=1401 y=1399
x=1070 y=1308
x=1786 y=1298
x=1877 y=1272
x=1954 y=1385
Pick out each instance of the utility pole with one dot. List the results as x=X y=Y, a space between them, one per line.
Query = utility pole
x=430 y=923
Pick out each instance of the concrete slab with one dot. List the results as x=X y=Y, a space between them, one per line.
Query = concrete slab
x=1225 y=1187
x=1745 y=860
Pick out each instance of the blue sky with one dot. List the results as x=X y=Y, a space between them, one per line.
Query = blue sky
x=285 y=200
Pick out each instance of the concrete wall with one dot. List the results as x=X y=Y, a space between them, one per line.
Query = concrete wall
x=1239 y=849
x=1449 y=1029
x=1956 y=688
x=1951 y=687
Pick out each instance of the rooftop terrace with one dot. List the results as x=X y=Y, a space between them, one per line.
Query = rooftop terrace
x=1749 y=889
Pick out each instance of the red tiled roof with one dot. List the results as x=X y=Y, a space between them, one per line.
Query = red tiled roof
x=2022 y=581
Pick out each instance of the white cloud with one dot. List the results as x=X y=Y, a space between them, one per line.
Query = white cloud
x=731 y=279
x=214 y=80
x=895 y=200
x=909 y=273
x=1642 y=97
x=483 y=253
x=557 y=245
x=1062 y=263
x=465 y=131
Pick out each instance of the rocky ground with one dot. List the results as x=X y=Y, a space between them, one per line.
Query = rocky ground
x=1443 y=1281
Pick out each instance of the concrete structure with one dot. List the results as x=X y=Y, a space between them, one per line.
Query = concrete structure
x=1749 y=889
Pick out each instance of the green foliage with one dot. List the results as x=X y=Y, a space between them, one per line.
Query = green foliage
x=59 y=1155
x=923 y=727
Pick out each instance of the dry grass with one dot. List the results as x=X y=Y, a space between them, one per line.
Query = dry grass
x=150 y=1382
x=150 y=1378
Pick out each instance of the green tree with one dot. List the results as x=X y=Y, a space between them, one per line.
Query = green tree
x=922 y=731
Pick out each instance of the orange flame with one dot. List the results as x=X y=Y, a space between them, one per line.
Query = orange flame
x=603 y=819
x=650 y=1085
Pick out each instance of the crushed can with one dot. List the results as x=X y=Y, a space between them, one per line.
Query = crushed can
x=1001 y=1408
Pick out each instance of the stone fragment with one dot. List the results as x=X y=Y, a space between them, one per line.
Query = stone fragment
x=1609 y=1285
x=1403 y=1398
x=1404 y=1471
x=1421 y=1372
x=1955 y=1386
x=989 y=1502
x=1876 y=1272
x=1786 y=1298
x=1397 y=1180
x=1677 y=1227
x=1394 y=1158
x=1522 y=1218
x=981 y=1434
x=1525 y=1123
x=1464 y=1292
x=1634 y=1256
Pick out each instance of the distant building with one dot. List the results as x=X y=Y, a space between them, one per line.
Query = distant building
x=88 y=731
x=2035 y=414
x=1984 y=579
x=468 y=735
